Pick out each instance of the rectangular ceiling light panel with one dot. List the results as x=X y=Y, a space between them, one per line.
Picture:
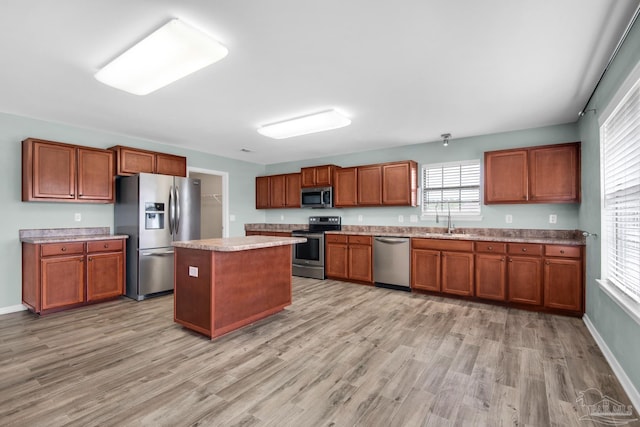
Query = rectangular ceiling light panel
x=317 y=122
x=172 y=52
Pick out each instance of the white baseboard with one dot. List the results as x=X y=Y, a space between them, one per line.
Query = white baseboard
x=632 y=392
x=12 y=309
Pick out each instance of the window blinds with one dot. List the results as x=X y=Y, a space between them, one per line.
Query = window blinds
x=620 y=145
x=454 y=186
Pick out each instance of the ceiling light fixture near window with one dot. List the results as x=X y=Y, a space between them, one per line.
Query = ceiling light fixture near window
x=303 y=125
x=172 y=52
x=445 y=139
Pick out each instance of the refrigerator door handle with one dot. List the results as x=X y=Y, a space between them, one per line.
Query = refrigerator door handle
x=171 y=210
x=177 y=211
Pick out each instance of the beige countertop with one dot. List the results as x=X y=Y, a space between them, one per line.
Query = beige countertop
x=63 y=235
x=79 y=238
x=234 y=244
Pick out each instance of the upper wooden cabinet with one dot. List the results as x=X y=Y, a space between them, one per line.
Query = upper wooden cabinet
x=317 y=176
x=370 y=185
x=543 y=174
x=130 y=161
x=278 y=191
x=400 y=184
x=345 y=189
x=54 y=171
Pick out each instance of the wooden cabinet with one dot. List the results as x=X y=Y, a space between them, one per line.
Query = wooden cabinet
x=130 y=161
x=345 y=189
x=400 y=184
x=542 y=174
x=444 y=265
x=563 y=278
x=524 y=273
x=278 y=191
x=58 y=172
x=268 y=233
x=317 y=176
x=349 y=257
x=56 y=276
x=491 y=271
x=370 y=185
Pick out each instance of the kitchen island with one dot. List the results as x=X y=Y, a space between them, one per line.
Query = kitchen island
x=221 y=285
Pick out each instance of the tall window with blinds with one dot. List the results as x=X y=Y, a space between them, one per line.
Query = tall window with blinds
x=620 y=163
x=453 y=187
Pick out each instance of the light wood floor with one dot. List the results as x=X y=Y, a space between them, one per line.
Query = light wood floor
x=341 y=355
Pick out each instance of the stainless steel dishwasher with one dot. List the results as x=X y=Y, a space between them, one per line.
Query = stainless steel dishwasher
x=392 y=262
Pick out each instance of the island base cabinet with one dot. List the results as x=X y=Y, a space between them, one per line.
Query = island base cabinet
x=563 y=284
x=62 y=281
x=218 y=292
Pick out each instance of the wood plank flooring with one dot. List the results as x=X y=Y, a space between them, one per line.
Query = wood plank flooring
x=341 y=355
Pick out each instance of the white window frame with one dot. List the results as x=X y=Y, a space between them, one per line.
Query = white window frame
x=631 y=305
x=442 y=209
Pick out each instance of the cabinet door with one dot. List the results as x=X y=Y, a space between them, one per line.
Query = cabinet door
x=167 y=164
x=262 y=192
x=457 y=273
x=491 y=275
x=277 y=191
x=399 y=184
x=54 y=171
x=336 y=261
x=505 y=179
x=62 y=281
x=95 y=175
x=308 y=177
x=524 y=278
x=292 y=185
x=563 y=284
x=360 y=263
x=554 y=174
x=105 y=275
x=324 y=175
x=132 y=161
x=370 y=185
x=346 y=187
x=425 y=269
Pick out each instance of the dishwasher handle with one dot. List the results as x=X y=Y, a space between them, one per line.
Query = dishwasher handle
x=392 y=240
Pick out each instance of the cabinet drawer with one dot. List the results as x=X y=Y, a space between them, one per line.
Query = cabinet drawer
x=52 y=249
x=491 y=247
x=336 y=238
x=524 y=249
x=104 y=246
x=443 y=245
x=562 y=251
x=360 y=240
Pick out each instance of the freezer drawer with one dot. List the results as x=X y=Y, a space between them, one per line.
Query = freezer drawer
x=156 y=271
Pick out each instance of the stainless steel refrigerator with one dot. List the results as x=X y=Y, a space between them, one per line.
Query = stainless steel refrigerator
x=155 y=210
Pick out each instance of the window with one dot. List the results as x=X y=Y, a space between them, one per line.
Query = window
x=620 y=163
x=451 y=186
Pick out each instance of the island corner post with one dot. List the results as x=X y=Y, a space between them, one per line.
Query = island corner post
x=221 y=285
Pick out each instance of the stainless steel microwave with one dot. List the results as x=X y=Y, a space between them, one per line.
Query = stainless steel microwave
x=321 y=197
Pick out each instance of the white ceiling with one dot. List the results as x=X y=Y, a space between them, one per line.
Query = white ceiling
x=403 y=71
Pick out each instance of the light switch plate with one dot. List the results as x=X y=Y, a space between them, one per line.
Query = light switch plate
x=359 y=218
x=232 y=217
x=413 y=218
x=77 y=216
x=508 y=218
x=400 y=218
x=193 y=271
x=553 y=219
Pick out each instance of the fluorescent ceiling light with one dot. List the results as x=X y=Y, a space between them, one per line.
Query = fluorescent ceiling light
x=172 y=52
x=317 y=122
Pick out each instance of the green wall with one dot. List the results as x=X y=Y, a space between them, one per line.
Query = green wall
x=620 y=332
x=524 y=216
x=18 y=215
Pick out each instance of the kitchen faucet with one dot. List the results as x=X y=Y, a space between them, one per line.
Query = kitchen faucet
x=450 y=227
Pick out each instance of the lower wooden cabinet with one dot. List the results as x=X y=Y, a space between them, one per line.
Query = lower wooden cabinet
x=425 y=270
x=56 y=276
x=349 y=257
x=442 y=265
x=491 y=276
x=563 y=278
x=457 y=273
x=525 y=280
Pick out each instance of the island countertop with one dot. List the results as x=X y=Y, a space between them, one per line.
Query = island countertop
x=234 y=244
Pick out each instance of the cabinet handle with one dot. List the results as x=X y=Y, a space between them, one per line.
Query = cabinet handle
x=524 y=249
x=561 y=251
x=63 y=249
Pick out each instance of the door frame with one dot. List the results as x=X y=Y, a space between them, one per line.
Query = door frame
x=225 y=194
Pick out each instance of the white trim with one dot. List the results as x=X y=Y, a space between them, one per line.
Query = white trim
x=456 y=217
x=622 y=91
x=225 y=195
x=12 y=309
x=631 y=307
x=627 y=385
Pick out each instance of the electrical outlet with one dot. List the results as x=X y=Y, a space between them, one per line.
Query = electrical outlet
x=508 y=218
x=413 y=218
x=553 y=219
x=77 y=217
x=281 y=217
x=400 y=218
x=232 y=218
x=360 y=218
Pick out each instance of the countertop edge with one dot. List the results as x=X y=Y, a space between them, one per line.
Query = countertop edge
x=79 y=238
x=236 y=244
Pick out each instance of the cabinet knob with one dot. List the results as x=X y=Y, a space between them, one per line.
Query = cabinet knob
x=502 y=259
x=71 y=194
x=524 y=249
x=90 y=259
x=561 y=251
x=547 y=262
x=63 y=249
x=490 y=248
x=106 y=245
x=510 y=260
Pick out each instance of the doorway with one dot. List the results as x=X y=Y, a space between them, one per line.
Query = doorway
x=214 y=204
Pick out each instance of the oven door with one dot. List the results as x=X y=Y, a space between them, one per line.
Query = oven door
x=310 y=253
